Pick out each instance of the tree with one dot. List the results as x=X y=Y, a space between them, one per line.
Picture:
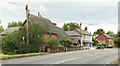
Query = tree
x=1 y=29
x=14 y=24
x=65 y=42
x=65 y=27
x=118 y=34
x=51 y=43
x=95 y=42
x=117 y=40
x=15 y=43
x=99 y=31
x=110 y=33
x=70 y=26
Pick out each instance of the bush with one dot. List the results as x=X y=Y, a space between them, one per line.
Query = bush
x=51 y=43
x=95 y=41
x=117 y=41
x=73 y=46
x=65 y=42
x=60 y=46
x=14 y=44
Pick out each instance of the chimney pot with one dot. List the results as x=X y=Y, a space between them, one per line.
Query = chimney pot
x=85 y=28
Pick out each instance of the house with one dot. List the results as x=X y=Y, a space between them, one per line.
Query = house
x=86 y=38
x=74 y=36
x=53 y=31
x=105 y=39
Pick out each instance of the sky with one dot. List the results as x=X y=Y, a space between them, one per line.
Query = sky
x=94 y=14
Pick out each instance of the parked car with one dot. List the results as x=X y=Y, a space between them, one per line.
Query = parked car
x=100 y=47
x=109 y=46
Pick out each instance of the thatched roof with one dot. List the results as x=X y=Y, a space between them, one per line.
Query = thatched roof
x=47 y=24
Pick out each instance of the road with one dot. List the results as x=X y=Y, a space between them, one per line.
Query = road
x=75 y=57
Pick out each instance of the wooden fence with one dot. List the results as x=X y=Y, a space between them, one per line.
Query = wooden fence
x=56 y=50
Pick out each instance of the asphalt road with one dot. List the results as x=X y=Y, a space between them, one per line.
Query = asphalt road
x=76 y=57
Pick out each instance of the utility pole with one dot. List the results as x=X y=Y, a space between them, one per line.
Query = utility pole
x=27 y=24
x=81 y=37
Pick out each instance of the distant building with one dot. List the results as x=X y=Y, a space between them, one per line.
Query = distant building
x=105 y=39
x=81 y=37
x=9 y=30
x=74 y=36
x=86 y=38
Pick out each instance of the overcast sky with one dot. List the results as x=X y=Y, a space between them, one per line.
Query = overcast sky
x=91 y=13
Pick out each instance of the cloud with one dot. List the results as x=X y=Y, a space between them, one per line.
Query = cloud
x=84 y=11
x=95 y=1
x=43 y=10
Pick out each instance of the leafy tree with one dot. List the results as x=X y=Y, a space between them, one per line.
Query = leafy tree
x=110 y=33
x=95 y=42
x=99 y=31
x=15 y=44
x=65 y=27
x=14 y=24
x=65 y=42
x=51 y=43
x=1 y=29
x=117 y=40
x=118 y=34
x=70 y=26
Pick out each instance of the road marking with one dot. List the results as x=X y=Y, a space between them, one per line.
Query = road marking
x=65 y=60
x=89 y=55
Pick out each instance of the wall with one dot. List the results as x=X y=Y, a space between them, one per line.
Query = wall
x=54 y=36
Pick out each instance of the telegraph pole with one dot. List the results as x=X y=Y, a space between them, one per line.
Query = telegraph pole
x=27 y=24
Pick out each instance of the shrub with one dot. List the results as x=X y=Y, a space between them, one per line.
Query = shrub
x=65 y=42
x=51 y=43
x=95 y=42
x=14 y=44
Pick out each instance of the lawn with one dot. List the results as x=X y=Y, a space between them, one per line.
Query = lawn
x=20 y=55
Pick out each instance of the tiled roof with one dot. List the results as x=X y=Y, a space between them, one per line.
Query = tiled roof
x=107 y=35
x=83 y=32
x=72 y=33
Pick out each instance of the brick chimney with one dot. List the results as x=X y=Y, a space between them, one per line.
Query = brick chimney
x=86 y=28
x=80 y=25
x=39 y=14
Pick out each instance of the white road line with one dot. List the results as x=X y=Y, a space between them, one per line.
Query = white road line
x=65 y=60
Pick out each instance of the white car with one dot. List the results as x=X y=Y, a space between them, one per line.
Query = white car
x=109 y=46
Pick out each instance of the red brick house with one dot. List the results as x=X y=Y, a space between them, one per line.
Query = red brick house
x=105 y=38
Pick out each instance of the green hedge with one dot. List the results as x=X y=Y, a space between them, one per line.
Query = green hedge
x=20 y=55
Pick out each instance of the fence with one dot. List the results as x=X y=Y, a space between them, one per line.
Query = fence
x=56 y=50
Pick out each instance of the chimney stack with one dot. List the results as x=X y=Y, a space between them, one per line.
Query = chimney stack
x=80 y=25
x=85 y=28
x=39 y=14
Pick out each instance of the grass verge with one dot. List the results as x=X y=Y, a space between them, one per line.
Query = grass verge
x=5 y=57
